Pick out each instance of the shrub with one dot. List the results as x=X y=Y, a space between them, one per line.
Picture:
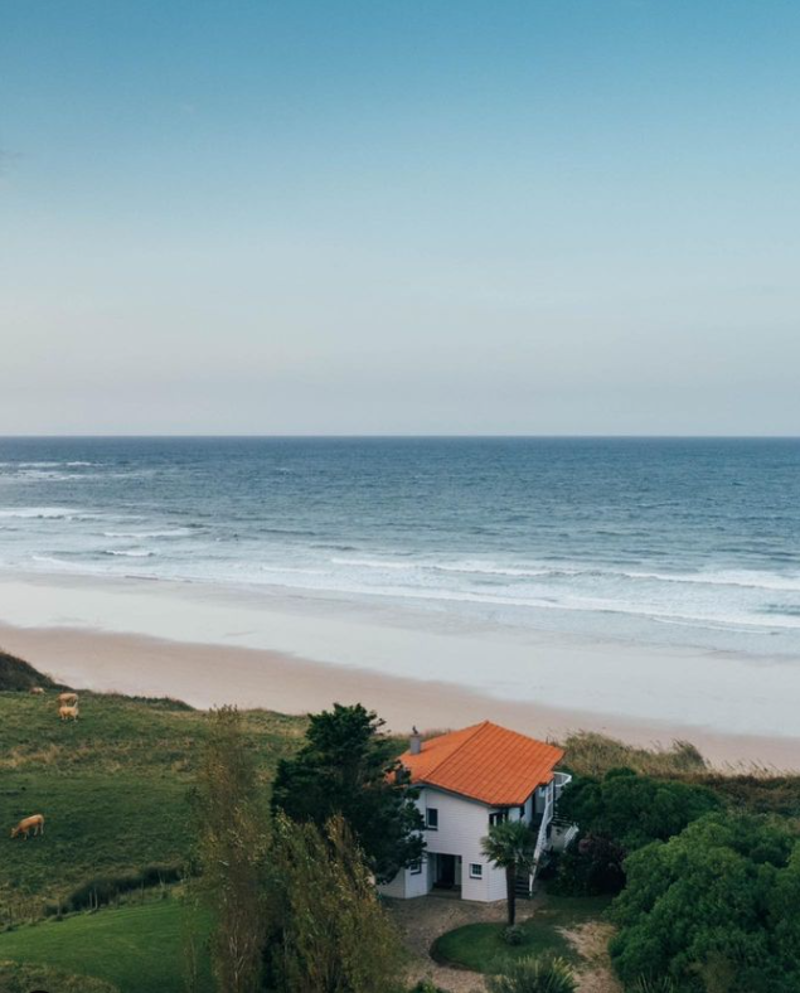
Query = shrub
x=592 y=867
x=544 y=974
x=714 y=908
x=513 y=934
x=102 y=890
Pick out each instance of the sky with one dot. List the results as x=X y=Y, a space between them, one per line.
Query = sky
x=450 y=217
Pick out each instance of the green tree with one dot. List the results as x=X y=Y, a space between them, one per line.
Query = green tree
x=535 y=975
x=347 y=766
x=231 y=850
x=714 y=909
x=510 y=846
x=633 y=810
x=335 y=935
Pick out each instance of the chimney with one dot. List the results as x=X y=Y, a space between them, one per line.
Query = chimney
x=415 y=742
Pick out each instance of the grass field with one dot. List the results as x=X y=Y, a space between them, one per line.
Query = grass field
x=113 y=788
x=481 y=946
x=137 y=949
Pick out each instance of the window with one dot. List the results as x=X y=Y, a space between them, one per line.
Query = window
x=432 y=819
x=415 y=868
x=498 y=817
x=475 y=870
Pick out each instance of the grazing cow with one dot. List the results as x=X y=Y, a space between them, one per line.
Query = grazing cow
x=28 y=824
x=67 y=699
x=68 y=713
x=36 y=690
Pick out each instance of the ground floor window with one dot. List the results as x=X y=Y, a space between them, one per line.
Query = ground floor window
x=415 y=868
x=475 y=870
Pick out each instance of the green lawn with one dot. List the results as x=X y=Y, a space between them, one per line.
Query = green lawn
x=481 y=947
x=113 y=789
x=138 y=949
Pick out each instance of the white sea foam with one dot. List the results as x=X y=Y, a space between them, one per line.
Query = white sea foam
x=41 y=513
x=130 y=553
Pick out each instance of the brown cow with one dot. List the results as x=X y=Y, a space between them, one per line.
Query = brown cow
x=28 y=824
x=36 y=690
x=67 y=699
x=68 y=713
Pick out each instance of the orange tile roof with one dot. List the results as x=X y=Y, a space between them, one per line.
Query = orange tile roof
x=485 y=762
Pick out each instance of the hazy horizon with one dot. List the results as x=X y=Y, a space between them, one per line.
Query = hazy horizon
x=305 y=220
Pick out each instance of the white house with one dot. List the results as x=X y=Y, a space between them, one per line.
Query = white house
x=470 y=780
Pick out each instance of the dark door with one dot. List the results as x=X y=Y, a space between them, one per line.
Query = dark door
x=446 y=871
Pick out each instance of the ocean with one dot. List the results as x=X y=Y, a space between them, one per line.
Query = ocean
x=691 y=542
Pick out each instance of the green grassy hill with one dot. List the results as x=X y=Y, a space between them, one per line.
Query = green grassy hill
x=137 y=949
x=112 y=787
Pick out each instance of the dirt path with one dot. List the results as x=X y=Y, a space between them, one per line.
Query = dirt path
x=591 y=942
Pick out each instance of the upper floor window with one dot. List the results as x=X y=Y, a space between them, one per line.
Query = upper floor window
x=432 y=819
x=498 y=817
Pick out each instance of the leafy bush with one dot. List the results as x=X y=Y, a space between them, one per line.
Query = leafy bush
x=714 y=909
x=632 y=810
x=426 y=986
x=513 y=934
x=591 y=867
x=102 y=890
x=535 y=975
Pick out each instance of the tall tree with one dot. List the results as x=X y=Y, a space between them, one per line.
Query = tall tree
x=335 y=936
x=231 y=850
x=510 y=846
x=347 y=766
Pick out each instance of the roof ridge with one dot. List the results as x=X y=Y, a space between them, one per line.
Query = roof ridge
x=476 y=728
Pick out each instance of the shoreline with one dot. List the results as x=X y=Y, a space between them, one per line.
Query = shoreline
x=143 y=665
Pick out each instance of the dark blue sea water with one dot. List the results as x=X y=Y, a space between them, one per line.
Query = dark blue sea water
x=684 y=541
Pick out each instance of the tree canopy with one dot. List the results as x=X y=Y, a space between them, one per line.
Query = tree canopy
x=348 y=767
x=633 y=810
x=714 y=908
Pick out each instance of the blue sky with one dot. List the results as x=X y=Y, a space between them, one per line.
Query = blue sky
x=455 y=217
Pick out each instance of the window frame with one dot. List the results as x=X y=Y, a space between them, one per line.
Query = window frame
x=472 y=867
x=428 y=812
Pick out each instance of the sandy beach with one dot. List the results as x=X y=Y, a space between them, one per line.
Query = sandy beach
x=210 y=675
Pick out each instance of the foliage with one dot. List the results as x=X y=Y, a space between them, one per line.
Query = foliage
x=481 y=947
x=510 y=846
x=513 y=934
x=590 y=867
x=334 y=934
x=535 y=975
x=348 y=766
x=714 y=909
x=101 y=890
x=633 y=810
x=592 y=754
x=136 y=949
x=19 y=977
x=231 y=853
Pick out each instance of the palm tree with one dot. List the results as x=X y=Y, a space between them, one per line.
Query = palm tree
x=510 y=846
